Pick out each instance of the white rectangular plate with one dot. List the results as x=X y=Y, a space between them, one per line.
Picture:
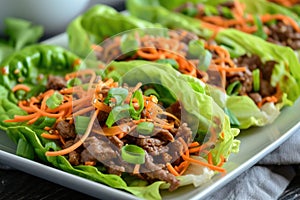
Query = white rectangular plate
x=255 y=144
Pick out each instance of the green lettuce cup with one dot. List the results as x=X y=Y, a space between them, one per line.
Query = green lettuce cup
x=160 y=105
x=239 y=45
x=97 y=24
x=266 y=20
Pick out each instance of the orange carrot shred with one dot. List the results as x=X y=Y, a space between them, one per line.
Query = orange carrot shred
x=171 y=169
x=78 y=143
x=212 y=167
x=21 y=87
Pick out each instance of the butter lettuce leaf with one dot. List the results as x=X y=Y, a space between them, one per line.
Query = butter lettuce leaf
x=32 y=65
x=286 y=73
x=98 y=23
x=201 y=110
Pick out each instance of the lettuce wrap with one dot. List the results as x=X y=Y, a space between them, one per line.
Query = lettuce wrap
x=83 y=33
x=239 y=45
x=292 y=5
x=209 y=125
x=269 y=21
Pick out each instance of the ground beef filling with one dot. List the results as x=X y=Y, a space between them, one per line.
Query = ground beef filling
x=245 y=78
x=278 y=33
x=253 y=62
x=284 y=35
x=161 y=147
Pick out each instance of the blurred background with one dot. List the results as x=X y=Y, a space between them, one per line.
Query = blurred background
x=53 y=15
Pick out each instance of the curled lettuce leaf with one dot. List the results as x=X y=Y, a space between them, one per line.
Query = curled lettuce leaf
x=252 y=7
x=152 y=11
x=265 y=7
x=204 y=110
x=31 y=65
x=198 y=104
x=286 y=72
x=98 y=23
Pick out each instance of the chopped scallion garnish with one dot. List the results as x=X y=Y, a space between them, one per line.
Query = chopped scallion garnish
x=73 y=82
x=256 y=80
x=54 y=100
x=172 y=62
x=234 y=88
x=133 y=154
x=145 y=128
x=81 y=124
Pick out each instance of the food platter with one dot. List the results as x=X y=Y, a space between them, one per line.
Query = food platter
x=255 y=144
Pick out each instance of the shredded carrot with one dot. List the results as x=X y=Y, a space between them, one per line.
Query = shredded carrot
x=287 y=3
x=285 y=19
x=121 y=135
x=114 y=130
x=22 y=118
x=78 y=143
x=50 y=136
x=243 y=22
x=47 y=128
x=171 y=169
x=232 y=69
x=82 y=73
x=148 y=54
x=45 y=97
x=267 y=99
x=90 y=163
x=102 y=106
x=212 y=167
x=209 y=158
x=184 y=167
x=222 y=161
x=185 y=146
x=24 y=106
x=21 y=87
x=194 y=144
x=97 y=48
x=62 y=140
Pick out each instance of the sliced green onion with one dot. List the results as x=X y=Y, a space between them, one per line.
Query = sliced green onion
x=233 y=119
x=73 y=82
x=116 y=76
x=190 y=11
x=227 y=13
x=256 y=80
x=145 y=128
x=172 y=62
x=20 y=94
x=129 y=44
x=195 y=48
x=81 y=124
x=119 y=94
x=260 y=28
x=210 y=10
x=151 y=91
x=204 y=60
x=133 y=154
x=135 y=114
x=42 y=122
x=233 y=88
x=54 y=100
x=117 y=113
